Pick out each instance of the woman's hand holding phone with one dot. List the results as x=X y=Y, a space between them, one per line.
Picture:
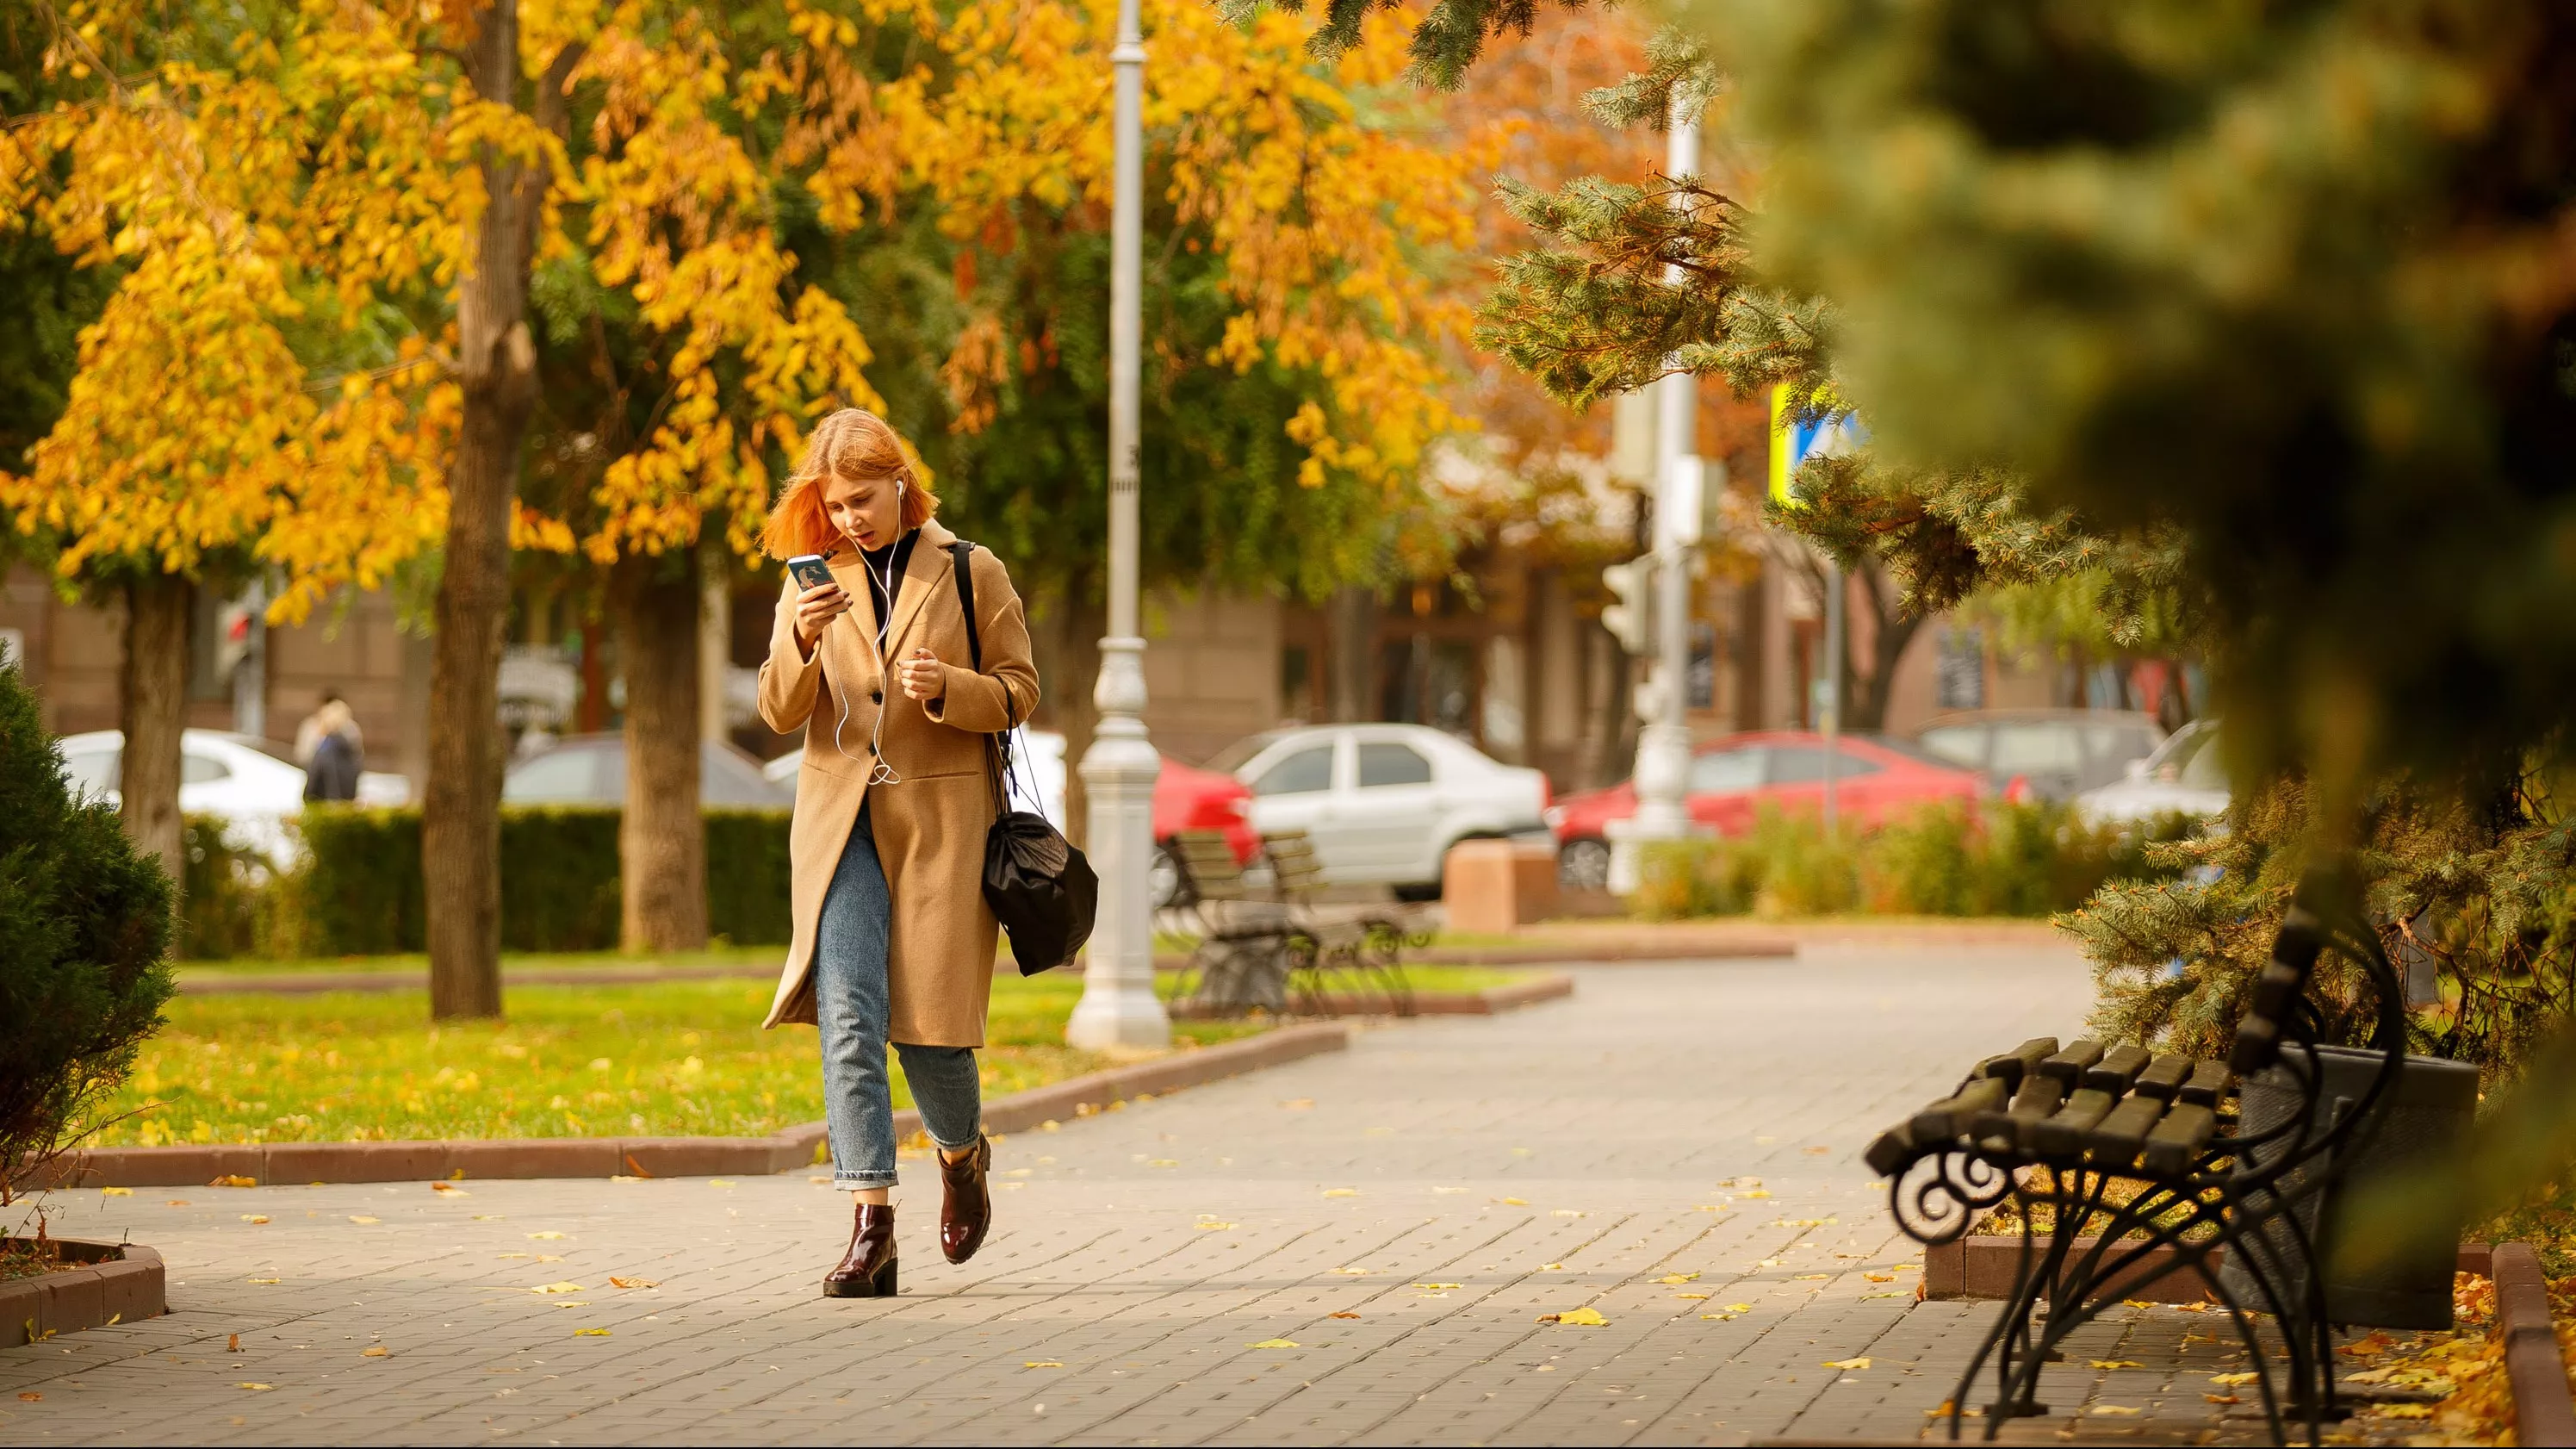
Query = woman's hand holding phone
x=816 y=607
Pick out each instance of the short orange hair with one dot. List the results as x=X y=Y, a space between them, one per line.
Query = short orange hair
x=856 y=446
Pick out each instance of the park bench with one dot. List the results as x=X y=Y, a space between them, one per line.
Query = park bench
x=2132 y=1156
x=1268 y=939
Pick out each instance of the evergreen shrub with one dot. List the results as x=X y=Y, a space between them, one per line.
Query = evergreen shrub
x=85 y=932
x=1996 y=859
x=358 y=890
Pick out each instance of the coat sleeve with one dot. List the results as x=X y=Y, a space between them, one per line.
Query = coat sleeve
x=789 y=680
x=990 y=702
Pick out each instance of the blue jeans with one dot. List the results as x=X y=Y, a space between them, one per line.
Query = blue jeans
x=850 y=999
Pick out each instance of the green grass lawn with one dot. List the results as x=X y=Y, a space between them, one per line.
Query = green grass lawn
x=663 y=1059
x=667 y=1058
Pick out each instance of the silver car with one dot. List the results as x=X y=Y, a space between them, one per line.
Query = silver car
x=2187 y=775
x=1383 y=803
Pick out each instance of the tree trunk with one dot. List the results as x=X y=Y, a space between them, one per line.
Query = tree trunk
x=662 y=838
x=496 y=367
x=1895 y=629
x=1354 y=654
x=152 y=709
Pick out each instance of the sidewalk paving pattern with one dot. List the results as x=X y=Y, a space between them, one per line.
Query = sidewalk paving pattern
x=1352 y=1249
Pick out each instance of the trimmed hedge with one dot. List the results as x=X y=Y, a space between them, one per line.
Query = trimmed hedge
x=358 y=890
x=1999 y=859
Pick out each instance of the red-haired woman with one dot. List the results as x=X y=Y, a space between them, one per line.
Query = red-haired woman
x=893 y=942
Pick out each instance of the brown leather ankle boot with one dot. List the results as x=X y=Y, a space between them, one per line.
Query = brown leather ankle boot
x=966 y=1205
x=867 y=1269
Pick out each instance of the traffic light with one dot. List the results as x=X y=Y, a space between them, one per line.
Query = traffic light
x=1628 y=619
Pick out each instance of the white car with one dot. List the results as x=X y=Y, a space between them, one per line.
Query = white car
x=1383 y=803
x=250 y=783
x=1036 y=764
x=2185 y=776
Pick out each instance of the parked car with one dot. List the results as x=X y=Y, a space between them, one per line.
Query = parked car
x=1733 y=779
x=2058 y=754
x=2187 y=775
x=1384 y=802
x=591 y=770
x=1185 y=798
x=252 y=784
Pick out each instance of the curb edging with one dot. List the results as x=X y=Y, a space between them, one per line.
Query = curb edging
x=783 y=1151
x=2543 y=1410
x=1988 y=1266
x=124 y=1282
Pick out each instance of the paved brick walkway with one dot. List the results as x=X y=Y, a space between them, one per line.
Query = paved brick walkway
x=1397 y=1218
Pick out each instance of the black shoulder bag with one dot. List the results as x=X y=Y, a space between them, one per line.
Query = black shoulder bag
x=1039 y=886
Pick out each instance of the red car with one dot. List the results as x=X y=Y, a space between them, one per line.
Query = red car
x=1189 y=798
x=1732 y=780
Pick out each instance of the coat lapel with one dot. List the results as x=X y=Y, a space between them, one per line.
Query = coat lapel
x=924 y=574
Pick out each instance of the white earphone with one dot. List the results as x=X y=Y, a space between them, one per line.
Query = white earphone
x=881 y=772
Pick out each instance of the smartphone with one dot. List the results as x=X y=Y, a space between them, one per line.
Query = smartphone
x=809 y=571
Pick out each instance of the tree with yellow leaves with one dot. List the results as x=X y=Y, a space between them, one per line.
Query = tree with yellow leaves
x=1299 y=348
x=224 y=419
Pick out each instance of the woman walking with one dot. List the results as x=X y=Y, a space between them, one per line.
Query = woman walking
x=893 y=942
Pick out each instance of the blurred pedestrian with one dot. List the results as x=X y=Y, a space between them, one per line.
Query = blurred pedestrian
x=893 y=943
x=332 y=750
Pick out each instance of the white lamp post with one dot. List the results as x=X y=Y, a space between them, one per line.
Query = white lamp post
x=1664 y=745
x=1118 y=1006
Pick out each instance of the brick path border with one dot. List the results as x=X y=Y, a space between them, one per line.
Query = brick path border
x=783 y=1151
x=121 y=1283
x=2543 y=1411
x=1988 y=1265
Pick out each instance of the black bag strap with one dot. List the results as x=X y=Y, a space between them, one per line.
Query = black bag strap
x=997 y=756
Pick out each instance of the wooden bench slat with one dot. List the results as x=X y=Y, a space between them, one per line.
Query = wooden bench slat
x=2179 y=1138
x=2123 y=1133
x=2036 y=1101
x=1950 y=1117
x=2068 y=1066
x=2018 y=1063
x=2062 y=1135
x=2117 y=1069
x=2163 y=1076
x=2208 y=1083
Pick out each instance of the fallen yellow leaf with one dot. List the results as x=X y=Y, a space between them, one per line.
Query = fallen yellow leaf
x=450 y=1188
x=1341 y=1192
x=1352 y=1272
x=2122 y=1410
x=1847 y=1363
x=1565 y=1213
x=362 y=1218
x=254 y=1217
x=26 y=1396
x=1810 y=1277
x=549 y=1235
x=2406 y=1411
x=2222 y=1398
x=2232 y=1380
x=1880 y=1277
x=1513 y=1201
x=379 y=1351
x=1342 y=1315
x=718 y=1182
x=1691 y=1295
x=234 y=1179
x=1043 y=1363
x=2116 y=1363
x=1435 y=1285
x=1273 y=1343
x=1759 y=1192
x=255 y=1388
x=1679 y=1278
x=1577 y=1318
x=1216 y=1227
x=1551 y=1267
x=557 y=1288
x=590 y=1333
x=617 y=1282
x=263 y=1280
x=116 y=1192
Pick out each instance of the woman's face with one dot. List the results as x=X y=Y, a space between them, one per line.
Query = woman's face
x=867 y=511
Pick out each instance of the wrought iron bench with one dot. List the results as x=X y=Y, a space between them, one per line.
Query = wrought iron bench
x=1267 y=941
x=2129 y=1153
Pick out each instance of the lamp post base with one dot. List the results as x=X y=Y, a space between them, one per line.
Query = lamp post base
x=1118 y=1006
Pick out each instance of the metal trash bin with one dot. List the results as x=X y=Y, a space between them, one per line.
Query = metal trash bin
x=2422 y=1127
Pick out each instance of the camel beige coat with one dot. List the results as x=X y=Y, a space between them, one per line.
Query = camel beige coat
x=929 y=825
